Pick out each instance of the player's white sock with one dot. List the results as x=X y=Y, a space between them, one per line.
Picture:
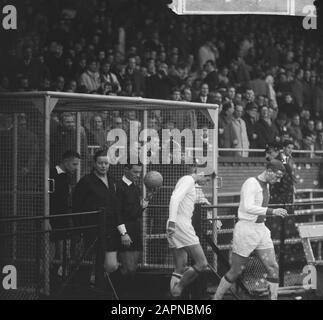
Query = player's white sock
x=223 y=287
x=273 y=287
x=176 y=277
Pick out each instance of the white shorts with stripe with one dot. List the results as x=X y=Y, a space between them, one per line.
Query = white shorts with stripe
x=184 y=235
x=249 y=236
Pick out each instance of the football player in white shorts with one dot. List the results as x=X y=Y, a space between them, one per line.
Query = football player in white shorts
x=180 y=233
x=250 y=233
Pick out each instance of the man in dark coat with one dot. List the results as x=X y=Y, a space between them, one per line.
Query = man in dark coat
x=93 y=192
x=131 y=208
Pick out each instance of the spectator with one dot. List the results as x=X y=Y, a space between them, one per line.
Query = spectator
x=319 y=142
x=227 y=137
x=288 y=106
x=110 y=77
x=96 y=134
x=136 y=78
x=159 y=86
x=295 y=131
x=271 y=91
x=297 y=89
x=204 y=96
x=212 y=78
x=90 y=79
x=308 y=144
x=250 y=118
x=309 y=129
x=55 y=60
x=240 y=131
x=207 y=52
x=259 y=85
x=4 y=84
x=265 y=130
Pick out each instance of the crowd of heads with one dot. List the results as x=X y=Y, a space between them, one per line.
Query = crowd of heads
x=264 y=69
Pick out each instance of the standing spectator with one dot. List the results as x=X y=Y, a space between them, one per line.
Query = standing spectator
x=204 y=96
x=250 y=118
x=295 y=131
x=55 y=60
x=227 y=137
x=108 y=76
x=297 y=88
x=309 y=128
x=96 y=134
x=264 y=128
x=90 y=79
x=271 y=91
x=207 y=52
x=159 y=86
x=318 y=102
x=212 y=76
x=288 y=106
x=319 y=142
x=132 y=206
x=240 y=130
x=259 y=85
x=64 y=138
x=136 y=78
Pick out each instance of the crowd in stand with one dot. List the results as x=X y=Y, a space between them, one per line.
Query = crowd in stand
x=266 y=75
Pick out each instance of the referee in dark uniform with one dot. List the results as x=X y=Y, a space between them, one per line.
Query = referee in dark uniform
x=95 y=191
x=131 y=208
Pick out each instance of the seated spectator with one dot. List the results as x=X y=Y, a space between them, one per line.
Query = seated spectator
x=90 y=79
x=295 y=131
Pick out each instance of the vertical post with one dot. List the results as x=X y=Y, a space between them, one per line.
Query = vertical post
x=282 y=253
x=15 y=184
x=144 y=214
x=46 y=155
x=38 y=256
x=100 y=249
x=78 y=144
x=215 y=157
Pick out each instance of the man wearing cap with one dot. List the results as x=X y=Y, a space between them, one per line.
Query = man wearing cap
x=180 y=232
x=250 y=232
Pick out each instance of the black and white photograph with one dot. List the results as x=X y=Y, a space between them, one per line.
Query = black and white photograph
x=161 y=152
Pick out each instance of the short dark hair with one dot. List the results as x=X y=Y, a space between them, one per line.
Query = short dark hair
x=275 y=165
x=100 y=153
x=129 y=166
x=70 y=154
x=287 y=142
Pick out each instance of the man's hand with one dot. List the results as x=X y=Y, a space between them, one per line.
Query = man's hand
x=171 y=228
x=126 y=240
x=144 y=203
x=280 y=212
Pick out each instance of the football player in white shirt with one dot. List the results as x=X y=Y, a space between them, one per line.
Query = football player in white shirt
x=180 y=233
x=250 y=232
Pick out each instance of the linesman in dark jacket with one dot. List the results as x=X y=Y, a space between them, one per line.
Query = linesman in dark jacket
x=93 y=192
x=132 y=207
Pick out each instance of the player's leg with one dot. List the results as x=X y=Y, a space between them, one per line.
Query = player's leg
x=238 y=265
x=267 y=256
x=180 y=259
x=266 y=253
x=129 y=262
x=197 y=254
x=110 y=261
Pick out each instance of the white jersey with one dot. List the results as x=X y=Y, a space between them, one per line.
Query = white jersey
x=181 y=209
x=182 y=201
x=252 y=202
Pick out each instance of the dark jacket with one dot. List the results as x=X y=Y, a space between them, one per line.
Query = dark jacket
x=60 y=202
x=92 y=194
x=129 y=197
x=265 y=133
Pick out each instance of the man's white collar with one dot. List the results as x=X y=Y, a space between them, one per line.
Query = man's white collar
x=59 y=170
x=126 y=181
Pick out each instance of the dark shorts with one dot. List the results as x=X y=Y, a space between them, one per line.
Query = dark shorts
x=135 y=232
